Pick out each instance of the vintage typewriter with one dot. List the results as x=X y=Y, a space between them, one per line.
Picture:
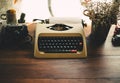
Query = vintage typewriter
x=60 y=40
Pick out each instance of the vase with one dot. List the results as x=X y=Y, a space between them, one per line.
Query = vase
x=99 y=32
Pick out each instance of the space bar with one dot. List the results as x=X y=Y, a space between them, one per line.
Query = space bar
x=60 y=51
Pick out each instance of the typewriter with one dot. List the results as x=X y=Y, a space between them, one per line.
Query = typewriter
x=60 y=41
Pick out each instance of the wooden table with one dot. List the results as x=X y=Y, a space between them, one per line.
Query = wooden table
x=101 y=66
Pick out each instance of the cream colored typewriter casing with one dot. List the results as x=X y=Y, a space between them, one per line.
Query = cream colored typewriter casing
x=77 y=30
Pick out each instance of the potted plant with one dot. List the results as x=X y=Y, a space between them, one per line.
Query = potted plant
x=102 y=15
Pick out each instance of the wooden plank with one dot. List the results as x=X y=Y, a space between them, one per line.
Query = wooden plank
x=60 y=80
x=93 y=67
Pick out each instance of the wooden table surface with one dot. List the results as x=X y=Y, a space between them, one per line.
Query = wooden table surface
x=101 y=66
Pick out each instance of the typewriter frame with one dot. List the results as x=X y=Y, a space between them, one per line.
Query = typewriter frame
x=77 y=30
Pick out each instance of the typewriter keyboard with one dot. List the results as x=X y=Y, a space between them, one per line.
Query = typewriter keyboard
x=58 y=44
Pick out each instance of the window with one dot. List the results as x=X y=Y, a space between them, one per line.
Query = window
x=35 y=9
x=39 y=9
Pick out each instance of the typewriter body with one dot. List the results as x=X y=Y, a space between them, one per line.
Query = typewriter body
x=59 y=41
